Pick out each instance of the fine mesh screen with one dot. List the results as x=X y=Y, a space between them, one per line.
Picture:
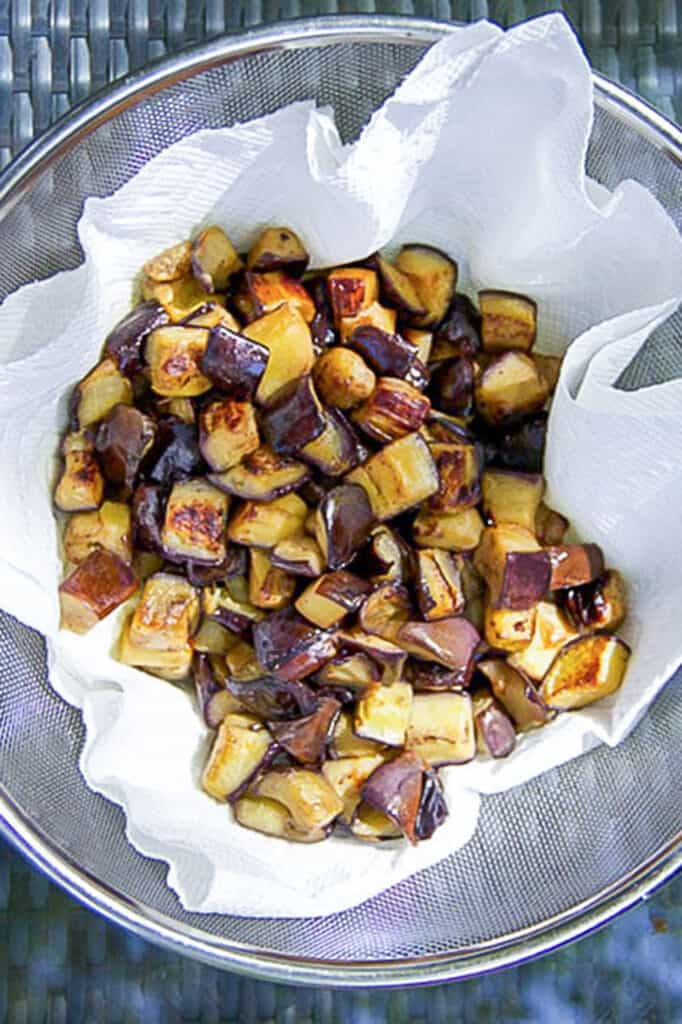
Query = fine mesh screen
x=539 y=850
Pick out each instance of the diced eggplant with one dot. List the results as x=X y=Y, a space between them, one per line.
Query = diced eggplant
x=124 y=342
x=261 y=293
x=507 y=629
x=389 y=355
x=450 y=642
x=171 y=264
x=332 y=597
x=398 y=290
x=294 y=417
x=401 y=475
x=350 y=671
x=511 y=497
x=372 y=825
x=388 y=558
x=550 y=526
x=286 y=336
x=601 y=604
x=214 y=259
x=393 y=409
x=233 y=362
x=458 y=476
x=382 y=713
x=508 y=321
x=337 y=449
x=173 y=665
x=194 y=524
x=242 y=748
x=347 y=776
x=439 y=584
x=176 y=455
x=455 y=531
x=549 y=367
x=101 y=583
x=343 y=378
x=260 y=814
x=81 y=484
x=515 y=567
x=310 y=800
x=180 y=408
x=495 y=732
x=386 y=609
x=180 y=299
x=231 y=609
x=551 y=632
x=262 y=476
x=395 y=789
x=214 y=700
x=174 y=356
x=214 y=638
x=521 y=447
x=322 y=326
x=432 y=807
x=228 y=431
x=241 y=663
x=441 y=728
x=269 y=587
x=166 y=617
x=586 y=670
x=98 y=393
x=448 y=429
x=211 y=315
x=263 y=524
x=351 y=289
x=108 y=527
x=422 y=341
x=429 y=677
x=235 y=563
x=147 y=508
x=452 y=385
x=516 y=694
x=305 y=739
x=388 y=656
x=510 y=388
x=376 y=316
x=299 y=555
x=459 y=334
x=273 y=699
x=124 y=437
x=343 y=521
x=434 y=276
x=574 y=564
x=278 y=249
x=289 y=647
x=345 y=743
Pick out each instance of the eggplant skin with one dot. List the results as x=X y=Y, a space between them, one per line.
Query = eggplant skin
x=306 y=738
x=395 y=789
x=124 y=342
x=344 y=518
x=433 y=809
x=148 y=507
x=98 y=585
x=274 y=700
x=294 y=418
x=388 y=355
x=233 y=362
x=123 y=439
x=176 y=454
x=289 y=647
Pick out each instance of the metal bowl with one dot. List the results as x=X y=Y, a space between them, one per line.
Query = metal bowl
x=551 y=860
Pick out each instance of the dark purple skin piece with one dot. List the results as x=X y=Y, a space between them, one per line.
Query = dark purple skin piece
x=274 y=699
x=176 y=455
x=124 y=342
x=347 y=517
x=427 y=677
x=446 y=429
x=345 y=589
x=236 y=563
x=521 y=447
x=585 y=605
x=342 y=694
x=233 y=362
x=295 y=418
x=452 y=386
x=389 y=355
x=123 y=438
x=290 y=647
x=313 y=491
x=306 y=738
x=432 y=807
x=395 y=788
x=350 y=449
x=496 y=730
x=461 y=327
x=234 y=620
x=526 y=579
x=450 y=642
x=322 y=327
x=148 y=507
x=209 y=692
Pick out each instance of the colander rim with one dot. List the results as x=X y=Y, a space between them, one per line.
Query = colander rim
x=160 y=929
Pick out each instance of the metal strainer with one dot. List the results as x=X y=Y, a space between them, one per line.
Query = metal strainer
x=550 y=860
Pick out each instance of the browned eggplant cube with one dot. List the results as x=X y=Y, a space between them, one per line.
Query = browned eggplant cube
x=350 y=671
x=450 y=642
x=262 y=476
x=332 y=597
x=263 y=524
x=269 y=587
x=388 y=354
x=228 y=431
x=422 y=341
x=495 y=732
x=286 y=336
x=401 y=475
x=343 y=378
x=174 y=357
x=99 y=584
x=510 y=387
x=305 y=739
x=278 y=249
x=81 y=484
x=345 y=743
x=393 y=409
x=375 y=316
x=389 y=658
x=260 y=294
x=516 y=694
x=439 y=584
x=398 y=290
x=515 y=567
x=549 y=367
x=289 y=647
x=299 y=555
x=452 y=385
x=351 y=289
x=337 y=449
x=551 y=632
x=601 y=604
x=194 y=526
x=310 y=800
x=373 y=826
x=382 y=713
x=181 y=299
x=108 y=527
x=240 y=750
x=230 y=606
x=165 y=618
x=385 y=610
x=395 y=790
x=434 y=276
x=294 y=417
x=550 y=526
x=574 y=564
x=510 y=497
x=260 y=814
x=441 y=728
x=342 y=523
x=124 y=342
x=508 y=321
x=389 y=557
x=347 y=776
x=584 y=671
x=509 y=629
x=171 y=264
x=458 y=476
x=98 y=393
x=459 y=530
x=124 y=437
x=214 y=259
x=234 y=362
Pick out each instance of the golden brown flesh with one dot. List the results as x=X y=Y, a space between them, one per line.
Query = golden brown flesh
x=584 y=671
x=343 y=378
x=99 y=584
x=508 y=321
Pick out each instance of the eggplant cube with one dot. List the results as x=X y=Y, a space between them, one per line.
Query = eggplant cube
x=382 y=713
x=374 y=316
x=194 y=527
x=214 y=259
x=514 y=566
x=388 y=354
x=441 y=728
x=352 y=289
x=239 y=751
x=171 y=264
x=310 y=800
x=278 y=249
x=511 y=497
x=269 y=587
x=108 y=527
x=398 y=290
x=343 y=378
x=289 y=647
x=451 y=642
x=332 y=597
x=508 y=629
x=101 y=583
x=261 y=294
x=81 y=485
x=342 y=523
x=337 y=449
x=180 y=299
x=294 y=418
x=124 y=341
x=495 y=732
x=373 y=826
x=174 y=356
x=272 y=818
x=459 y=530
x=458 y=475
x=346 y=744
x=299 y=555
x=510 y=387
x=124 y=437
x=347 y=776
x=393 y=409
x=574 y=564
x=231 y=608
x=395 y=789
x=601 y=604
x=98 y=393
x=401 y=475
x=386 y=609
x=166 y=617
x=228 y=431
x=551 y=632
x=550 y=526
x=516 y=694
x=586 y=670
x=439 y=584
x=262 y=476
x=434 y=277
x=263 y=524
x=234 y=362
x=508 y=321
x=305 y=739
x=286 y=336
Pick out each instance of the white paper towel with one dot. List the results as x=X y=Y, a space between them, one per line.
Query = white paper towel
x=481 y=151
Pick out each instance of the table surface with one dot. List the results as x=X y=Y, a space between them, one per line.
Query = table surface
x=61 y=963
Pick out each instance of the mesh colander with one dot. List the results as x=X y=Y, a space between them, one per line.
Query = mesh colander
x=550 y=860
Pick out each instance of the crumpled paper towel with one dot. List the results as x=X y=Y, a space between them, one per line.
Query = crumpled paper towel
x=481 y=151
